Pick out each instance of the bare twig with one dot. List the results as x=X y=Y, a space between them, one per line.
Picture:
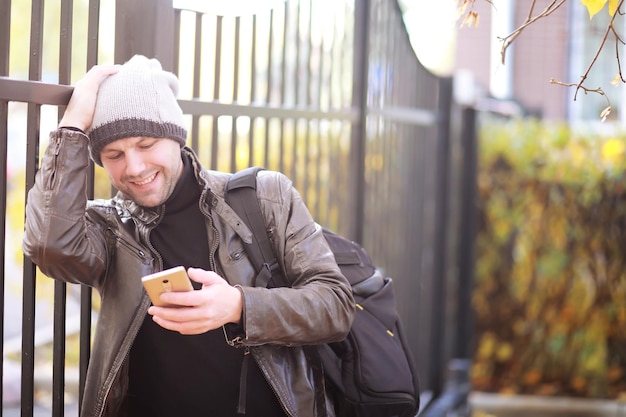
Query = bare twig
x=547 y=11
x=580 y=86
x=610 y=29
x=618 y=40
x=508 y=39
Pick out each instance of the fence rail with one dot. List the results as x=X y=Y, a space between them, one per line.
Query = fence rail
x=331 y=95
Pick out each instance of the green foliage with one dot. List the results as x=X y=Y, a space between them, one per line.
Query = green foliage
x=551 y=280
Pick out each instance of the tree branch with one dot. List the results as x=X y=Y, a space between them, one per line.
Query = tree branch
x=547 y=11
x=508 y=39
x=609 y=29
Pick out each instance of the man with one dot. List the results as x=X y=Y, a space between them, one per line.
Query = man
x=192 y=359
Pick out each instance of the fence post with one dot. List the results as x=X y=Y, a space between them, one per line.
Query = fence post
x=439 y=305
x=467 y=234
x=145 y=27
x=5 y=27
x=362 y=10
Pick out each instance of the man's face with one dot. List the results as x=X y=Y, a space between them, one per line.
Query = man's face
x=145 y=169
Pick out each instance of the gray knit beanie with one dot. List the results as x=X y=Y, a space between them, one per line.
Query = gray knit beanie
x=139 y=100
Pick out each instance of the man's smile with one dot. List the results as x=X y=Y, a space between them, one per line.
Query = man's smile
x=145 y=181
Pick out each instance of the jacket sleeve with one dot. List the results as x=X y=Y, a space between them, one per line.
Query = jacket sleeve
x=318 y=307
x=58 y=237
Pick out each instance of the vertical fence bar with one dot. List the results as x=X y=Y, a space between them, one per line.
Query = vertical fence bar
x=58 y=359
x=197 y=75
x=177 y=18
x=467 y=233
x=317 y=208
x=5 y=30
x=307 y=103
x=145 y=27
x=32 y=156
x=60 y=288
x=379 y=54
x=253 y=70
x=362 y=10
x=233 y=131
x=4 y=113
x=335 y=72
x=270 y=86
x=440 y=236
x=216 y=89
x=293 y=172
x=93 y=26
x=283 y=86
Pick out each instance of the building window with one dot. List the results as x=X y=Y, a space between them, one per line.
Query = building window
x=586 y=38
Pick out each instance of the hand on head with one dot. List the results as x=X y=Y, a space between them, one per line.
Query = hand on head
x=79 y=111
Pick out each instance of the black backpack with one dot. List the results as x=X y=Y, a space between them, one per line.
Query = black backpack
x=372 y=371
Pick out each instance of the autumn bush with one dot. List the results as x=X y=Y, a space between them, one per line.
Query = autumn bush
x=550 y=296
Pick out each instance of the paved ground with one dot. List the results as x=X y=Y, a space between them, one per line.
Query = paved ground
x=43 y=382
x=39 y=411
x=12 y=346
x=494 y=405
x=483 y=405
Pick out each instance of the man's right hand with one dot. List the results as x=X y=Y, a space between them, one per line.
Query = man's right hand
x=80 y=109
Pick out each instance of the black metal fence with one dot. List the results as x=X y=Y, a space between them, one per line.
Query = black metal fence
x=330 y=93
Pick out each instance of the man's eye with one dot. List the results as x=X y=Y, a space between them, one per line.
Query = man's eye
x=147 y=145
x=113 y=156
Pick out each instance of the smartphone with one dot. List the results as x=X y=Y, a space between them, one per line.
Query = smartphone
x=170 y=280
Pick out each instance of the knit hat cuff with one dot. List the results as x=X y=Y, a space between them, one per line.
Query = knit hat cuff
x=132 y=127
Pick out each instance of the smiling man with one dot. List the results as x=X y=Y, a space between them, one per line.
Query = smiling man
x=192 y=359
x=142 y=168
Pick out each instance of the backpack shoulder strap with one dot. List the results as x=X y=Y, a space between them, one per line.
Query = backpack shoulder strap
x=240 y=194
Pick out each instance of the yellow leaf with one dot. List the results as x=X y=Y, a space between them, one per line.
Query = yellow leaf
x=617 y=79
x=579 y=154
x=532 y=377
x=504 y=352
x=578 y=383
x=613 y=6
x=471 y=20
x=613 y=150
x=593 y=6
x=605 y=113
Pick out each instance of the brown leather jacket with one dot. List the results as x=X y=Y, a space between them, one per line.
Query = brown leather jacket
x=105 y=244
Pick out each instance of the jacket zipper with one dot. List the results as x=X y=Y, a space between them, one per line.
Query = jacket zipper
x=214 y=244
x=133 y=248
x=133 y=330
x=57 y=150
x=126 y=345
x=281 y=401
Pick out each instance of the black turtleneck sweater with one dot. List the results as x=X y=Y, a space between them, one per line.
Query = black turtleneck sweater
x=174 y=375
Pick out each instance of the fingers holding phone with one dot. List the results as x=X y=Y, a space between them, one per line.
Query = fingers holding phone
x=170 y=280
x=214 y=305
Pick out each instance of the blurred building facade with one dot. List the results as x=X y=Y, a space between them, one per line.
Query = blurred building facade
x=560 y=46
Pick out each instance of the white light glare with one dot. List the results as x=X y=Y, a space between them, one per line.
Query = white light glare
x=228 y=7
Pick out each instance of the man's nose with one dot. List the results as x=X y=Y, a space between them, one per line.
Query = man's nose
x=135 y=164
